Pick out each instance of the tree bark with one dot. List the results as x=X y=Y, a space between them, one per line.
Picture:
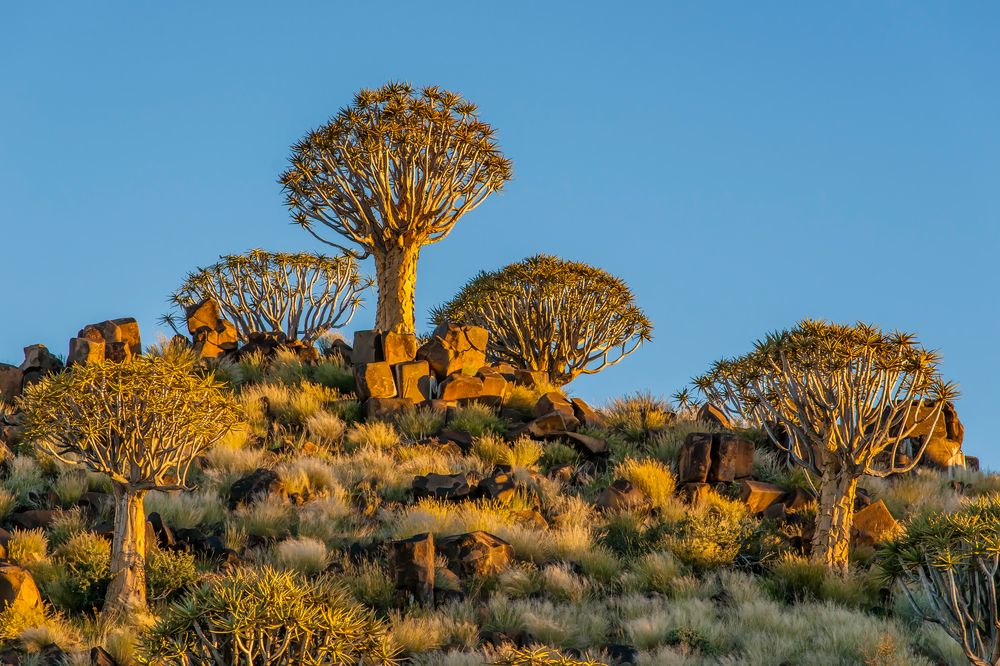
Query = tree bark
x=127 y=590
x=396 y=272
x=832 y=539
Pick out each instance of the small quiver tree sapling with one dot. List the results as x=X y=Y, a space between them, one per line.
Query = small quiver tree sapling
x=300 y=294
x=548 y=314
x=142 y=423
x=390 y=173
x=947 y=566
x=842 y=401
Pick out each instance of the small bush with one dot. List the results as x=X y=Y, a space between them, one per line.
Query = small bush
x=477 y=420
x=8 y=502
x=84 y=562
x=26 y=481
x=70 y=487
x=27 y=546
x=376 y=435
x=307 y=622
x=305 y=555
x=653 y=478
x=325 y=427
x=65 y=525
x=638 y=416
x=419 y=423
x=710 y=534
x=168 y=572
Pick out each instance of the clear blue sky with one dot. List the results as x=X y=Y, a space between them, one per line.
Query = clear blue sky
x=742 y=165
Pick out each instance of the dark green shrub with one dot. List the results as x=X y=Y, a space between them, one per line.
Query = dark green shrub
x=168 y=571
x=83 y=571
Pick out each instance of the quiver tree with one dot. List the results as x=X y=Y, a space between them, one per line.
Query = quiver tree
x=948 y=568
x=391 y=173
x=303 y=295
x=544 y=313
x=842 y=401
x=142 y=423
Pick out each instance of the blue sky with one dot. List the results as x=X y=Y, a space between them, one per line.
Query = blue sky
x=742 y=165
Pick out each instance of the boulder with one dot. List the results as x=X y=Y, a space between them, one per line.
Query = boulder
x=266 y=343
x=695 y=459
x=621 y=495
x=948 y=425
x=714 y=415
x=398 y=347
x=495 y=390
x=476 y=553
x=17 y=587
x=547 y=424
x=85 y=350
x=586 y=415
x=453 y=487
x=759 y=495
x=530 y=378
x=461 y=387
x=942 y=453
x=798 y=499
x=553 y=401
x=101 y=657
x=972 y=463
x=501 y=487
x=621 y=655
x=374 y=380
x=124 y=329
x=202 y=315
x=732 y=458
x=11 y=381
x=454 y=348
x=693 y=493
x=586 y=444
x=874 y=524
x=385 y=408
x=367 y=347
x=256 y=485
x=413 y=380
x=38 y=362
x=161 y=531
x=117 y=351
x=214 y=341
x=33 y=519
x=411 y=562
x=459 y=438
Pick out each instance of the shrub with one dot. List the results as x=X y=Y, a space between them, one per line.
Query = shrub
x=70 y=487
x=653 y=478
x=422 y=422
x=168 y=572
x=8 y=502
x=793 y=579
x=305 y=555
x=305 y=622
x=476 y=419
x=65 y=525
x=85 y=570
x=376 y=435
x=638 y=416
x=304 y=295
x=710 y=534
x=548 y=314
x=325 y=427
x=25 y=481
x=27 y=546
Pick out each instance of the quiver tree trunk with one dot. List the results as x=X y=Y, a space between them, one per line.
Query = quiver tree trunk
x=832 y=539
x=127 y=590
x=396 y=273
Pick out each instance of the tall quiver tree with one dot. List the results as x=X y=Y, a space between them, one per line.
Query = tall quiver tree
x=142 y=423
x=391 y=173
x=843 y=401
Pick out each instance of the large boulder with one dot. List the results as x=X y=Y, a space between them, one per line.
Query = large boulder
x=413 y=380
x=386 y=408
x=586 y=415
x=38 y=362
x=453 y=487
x=476 y=553
x=759 y=495
x=85 y=350
x=873 y=524
x=715 y=416
x=11 y=381
x=461 y=387
x=732 y=458
x=398 y=347
x=695 y=459
x=201 y=315
x=453 y=348
x=374 y=380
x=621 y=495
x=17 y=588
x=412 y=564
x=123 y=329
x=256 y=485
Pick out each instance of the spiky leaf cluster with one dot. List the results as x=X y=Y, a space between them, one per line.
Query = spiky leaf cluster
x=142 y=422
x=301 y=294
x=399 y=165
x=851 y=389
x=948 y=568
x=545 y=313
x=252 y=617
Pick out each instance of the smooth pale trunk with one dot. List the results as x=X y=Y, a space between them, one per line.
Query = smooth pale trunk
x=832 y=539
x=396 y=272
x=127 y=590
